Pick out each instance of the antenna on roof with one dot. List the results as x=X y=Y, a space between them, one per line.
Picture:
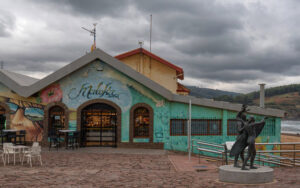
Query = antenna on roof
x=93 y=33
x=141 y=43
x=150 y=30
x=2 y=64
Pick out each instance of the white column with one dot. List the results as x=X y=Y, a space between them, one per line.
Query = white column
x=262 y=95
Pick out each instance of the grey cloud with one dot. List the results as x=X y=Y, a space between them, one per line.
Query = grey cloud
x=258 y=66
x=211 y=40
x=51 y=58
x=184 y=18
x=7 y=23
x=90 y=8
x=223 y=44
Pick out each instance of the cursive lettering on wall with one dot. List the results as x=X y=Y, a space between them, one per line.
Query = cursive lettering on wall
x=87 y=90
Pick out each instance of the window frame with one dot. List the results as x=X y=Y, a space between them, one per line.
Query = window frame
x=220 y=132
x=235 y=134
x=134 y=117
x=182 y=120
x=131 y=122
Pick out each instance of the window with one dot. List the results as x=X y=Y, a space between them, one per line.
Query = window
x=198 y=127
x=141 y=122
x=57 y=118
x=232 y=127
x=268 y=130
x=178 y=127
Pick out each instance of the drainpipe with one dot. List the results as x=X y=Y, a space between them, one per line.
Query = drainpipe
x=262 y=95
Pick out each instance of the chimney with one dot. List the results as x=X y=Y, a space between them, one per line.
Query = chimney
x=262 y=95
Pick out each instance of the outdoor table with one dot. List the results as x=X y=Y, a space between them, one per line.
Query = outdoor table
x=66 y=132
x=7 y=131
x=10 y=130
x=20 y=149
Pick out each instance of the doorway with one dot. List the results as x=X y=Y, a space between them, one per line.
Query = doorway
x=99 y=125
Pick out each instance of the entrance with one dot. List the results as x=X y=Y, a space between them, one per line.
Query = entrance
x=99 y=125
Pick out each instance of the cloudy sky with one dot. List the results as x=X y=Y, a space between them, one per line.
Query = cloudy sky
x=231 y=45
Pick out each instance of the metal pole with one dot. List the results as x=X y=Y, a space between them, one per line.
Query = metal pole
x=150 y=30
x=95 y=35
x=189 y=128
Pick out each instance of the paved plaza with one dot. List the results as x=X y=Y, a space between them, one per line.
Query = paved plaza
x=110 y=167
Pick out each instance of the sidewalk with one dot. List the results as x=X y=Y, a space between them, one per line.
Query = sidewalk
x=183 y=164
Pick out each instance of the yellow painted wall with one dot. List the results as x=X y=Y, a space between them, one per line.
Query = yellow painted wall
x=156 y=71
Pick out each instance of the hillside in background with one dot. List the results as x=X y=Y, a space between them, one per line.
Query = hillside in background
x=209 y=93
x=286 y=98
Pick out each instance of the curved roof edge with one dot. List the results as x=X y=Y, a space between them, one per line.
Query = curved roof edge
x=28 y=90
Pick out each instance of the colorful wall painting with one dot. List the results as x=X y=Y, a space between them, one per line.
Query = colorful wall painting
x=28 y=116
x=53 y=93
x=91 y=82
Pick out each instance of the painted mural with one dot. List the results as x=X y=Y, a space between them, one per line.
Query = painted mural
x=92 y=82
x=99 y=80
x=53 y=93
x=26 y=115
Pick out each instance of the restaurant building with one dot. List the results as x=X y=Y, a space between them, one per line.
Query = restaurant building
x=131 y=100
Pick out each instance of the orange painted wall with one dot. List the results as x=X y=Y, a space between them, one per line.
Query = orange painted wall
x=154 y=70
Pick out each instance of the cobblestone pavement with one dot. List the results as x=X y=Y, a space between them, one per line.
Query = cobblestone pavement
x=125 y=168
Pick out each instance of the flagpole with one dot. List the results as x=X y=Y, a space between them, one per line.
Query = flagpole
x=189 y=128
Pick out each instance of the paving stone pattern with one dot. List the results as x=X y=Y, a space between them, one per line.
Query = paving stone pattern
x=125 y=168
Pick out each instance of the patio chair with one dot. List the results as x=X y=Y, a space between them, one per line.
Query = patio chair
x=73 y=140
x=9 y=150
x=34 y=152
x=54 y=140
x=3 y=156
x=21 y=137
x=76 y=138
x=35 y=144
x=27 y=150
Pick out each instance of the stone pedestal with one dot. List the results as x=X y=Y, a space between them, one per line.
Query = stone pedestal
x=230 y=174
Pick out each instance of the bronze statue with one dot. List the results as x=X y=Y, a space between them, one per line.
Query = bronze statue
x=248 y=132
x=241 y=117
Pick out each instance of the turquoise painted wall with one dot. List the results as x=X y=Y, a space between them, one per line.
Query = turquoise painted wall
x=180 y=111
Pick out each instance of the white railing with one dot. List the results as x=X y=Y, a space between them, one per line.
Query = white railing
x=283 y=157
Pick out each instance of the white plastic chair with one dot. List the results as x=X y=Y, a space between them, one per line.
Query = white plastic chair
x=27 y=150
x=34 y=152
x=35 y=144
x=9 y=150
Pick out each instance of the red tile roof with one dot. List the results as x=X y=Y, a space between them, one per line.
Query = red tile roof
x=182 y=88
x=179 y=71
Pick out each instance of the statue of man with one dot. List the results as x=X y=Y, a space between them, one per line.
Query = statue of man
x=242 y=118
x=249 y=132
x=252 y=129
